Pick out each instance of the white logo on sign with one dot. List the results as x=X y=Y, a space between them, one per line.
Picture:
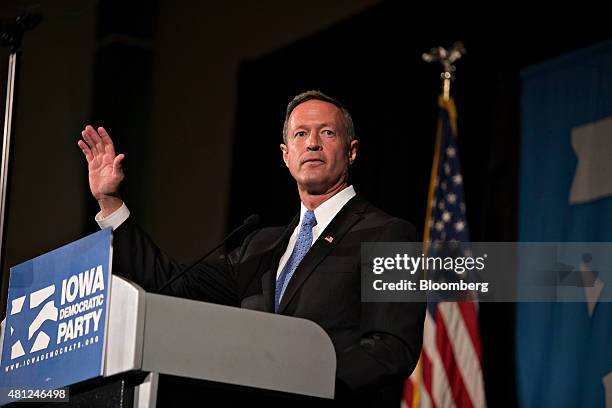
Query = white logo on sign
x=607 y=382
x=593 y=146
x=47 y=312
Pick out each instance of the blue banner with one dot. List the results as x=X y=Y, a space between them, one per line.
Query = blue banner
x=564 y=351
x=56 y=316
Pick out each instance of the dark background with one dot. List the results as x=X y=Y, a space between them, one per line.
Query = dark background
x=195 y=94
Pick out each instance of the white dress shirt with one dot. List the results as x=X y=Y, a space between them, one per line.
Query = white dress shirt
x=323 y=213
x=115 y=219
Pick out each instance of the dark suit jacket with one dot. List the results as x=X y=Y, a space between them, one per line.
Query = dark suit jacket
x=377 y=344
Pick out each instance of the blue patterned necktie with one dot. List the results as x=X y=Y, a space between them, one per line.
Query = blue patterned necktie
x=302 y=245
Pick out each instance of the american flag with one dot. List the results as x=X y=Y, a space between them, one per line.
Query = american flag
x=449 y=373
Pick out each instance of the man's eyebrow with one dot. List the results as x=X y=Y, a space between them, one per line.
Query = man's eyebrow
x=306 y=125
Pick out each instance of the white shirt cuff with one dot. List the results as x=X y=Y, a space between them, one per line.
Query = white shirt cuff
x=115 y=219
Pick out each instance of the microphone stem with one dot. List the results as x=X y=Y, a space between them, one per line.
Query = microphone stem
x=206 y=255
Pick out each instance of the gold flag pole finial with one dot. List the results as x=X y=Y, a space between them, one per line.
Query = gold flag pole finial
x=447 y=58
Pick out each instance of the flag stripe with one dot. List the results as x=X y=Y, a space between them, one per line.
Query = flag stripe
x=409 y=386
x=463 y=350
x=427 y=390
x=435 y=380
x=460 y=394
x=470 y=317
x=426 y=401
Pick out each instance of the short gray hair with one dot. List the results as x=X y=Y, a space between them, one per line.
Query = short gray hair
x=320 y=96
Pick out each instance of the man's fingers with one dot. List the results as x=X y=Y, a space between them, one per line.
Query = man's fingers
x=106 y=140
x=86 y=150
x=104 y=135
x=95 y=137
x=117 y=163
x=90 y=142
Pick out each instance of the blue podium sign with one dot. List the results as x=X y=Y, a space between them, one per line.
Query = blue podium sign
x=56 y=316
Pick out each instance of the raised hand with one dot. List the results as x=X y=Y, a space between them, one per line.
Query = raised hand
x=105 y=170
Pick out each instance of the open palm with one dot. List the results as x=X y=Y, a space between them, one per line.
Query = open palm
x=105 y=170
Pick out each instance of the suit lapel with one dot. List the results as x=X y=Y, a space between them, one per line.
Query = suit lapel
x=337 y=228
x=269 y=278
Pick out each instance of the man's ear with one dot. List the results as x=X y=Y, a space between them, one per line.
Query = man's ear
x=353 y=148
x=285 y=151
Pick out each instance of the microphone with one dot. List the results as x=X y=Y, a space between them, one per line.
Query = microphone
x=24 y=22
x=11 y=31
x=249 y=222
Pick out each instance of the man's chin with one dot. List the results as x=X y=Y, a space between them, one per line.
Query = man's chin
x=317 y=186
x=314 y=187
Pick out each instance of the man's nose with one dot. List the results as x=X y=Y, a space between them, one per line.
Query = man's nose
x=313 y=142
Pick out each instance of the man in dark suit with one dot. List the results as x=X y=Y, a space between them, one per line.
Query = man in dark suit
x=310 y=269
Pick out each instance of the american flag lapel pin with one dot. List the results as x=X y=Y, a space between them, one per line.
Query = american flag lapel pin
x=329 y=238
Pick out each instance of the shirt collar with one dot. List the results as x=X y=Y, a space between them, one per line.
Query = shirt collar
x=326 y=212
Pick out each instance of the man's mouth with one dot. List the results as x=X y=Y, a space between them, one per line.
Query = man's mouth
x=312 y=162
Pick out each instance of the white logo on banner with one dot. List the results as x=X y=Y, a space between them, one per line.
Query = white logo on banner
x=592 y=144
x=607 y=382
x=47 y=312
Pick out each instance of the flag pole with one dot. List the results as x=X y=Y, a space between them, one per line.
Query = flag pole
x=447 y=58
